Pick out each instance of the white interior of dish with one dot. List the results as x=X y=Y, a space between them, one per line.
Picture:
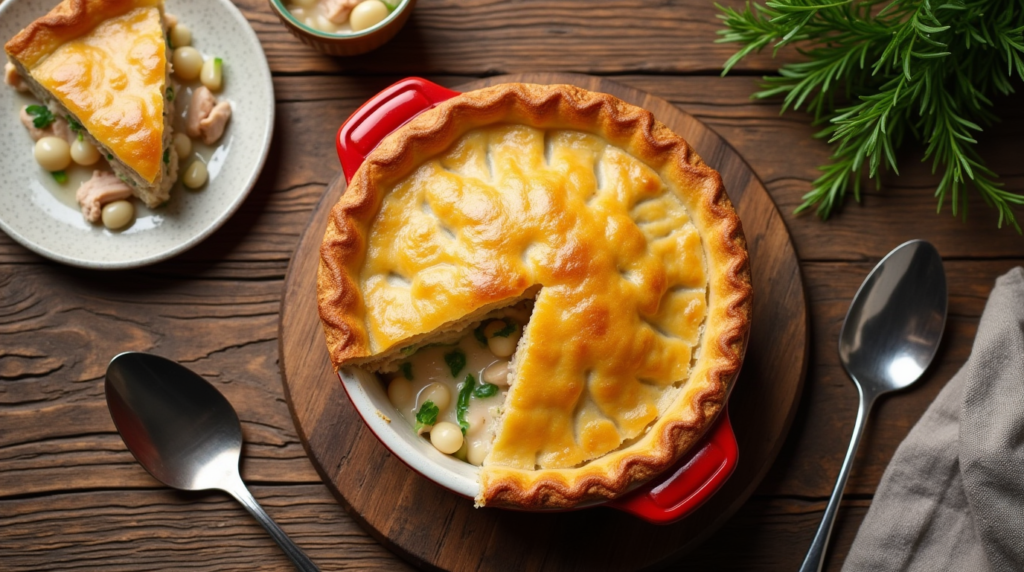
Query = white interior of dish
x=370 y=399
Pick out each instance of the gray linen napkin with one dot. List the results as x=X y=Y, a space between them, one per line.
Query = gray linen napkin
x=952 y=498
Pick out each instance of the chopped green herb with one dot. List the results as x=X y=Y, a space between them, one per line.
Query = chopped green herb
x=408 y=351
x=167 y=156
x=42 y=117
x=169 y=46
x=427 y=415
x=485 y=390
x=505 y=332
x=60 y=176
x=170 y=93
x=110 y=157
x=478 y=333
x=462 y=405
x=74 y=125
x=456 y=360
x=406 y=370
x=81 y=137
x=391 y=4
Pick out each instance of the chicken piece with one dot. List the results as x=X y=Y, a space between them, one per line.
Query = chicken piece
x=104 y=187
x=213 y=126
x=58 y=128
x=202 y=104
x=206 y=118
x=338 y=10
x=13 y=78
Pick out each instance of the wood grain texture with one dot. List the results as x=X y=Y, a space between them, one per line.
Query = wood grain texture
x=488 y=37
x=401 y=508
x=64 y=472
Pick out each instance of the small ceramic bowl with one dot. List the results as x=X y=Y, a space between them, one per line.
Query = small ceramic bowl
x=346 y=43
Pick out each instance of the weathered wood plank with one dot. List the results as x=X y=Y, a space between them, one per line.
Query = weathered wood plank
x=488 y=37
x=168 y=530
x=56 y=341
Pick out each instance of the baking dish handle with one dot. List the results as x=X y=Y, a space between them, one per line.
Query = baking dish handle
x=693 y=480
x=382 y=114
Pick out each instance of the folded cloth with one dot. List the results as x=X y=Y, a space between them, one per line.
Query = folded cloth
x=952 y=498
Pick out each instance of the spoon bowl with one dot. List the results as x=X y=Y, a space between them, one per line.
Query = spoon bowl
x=184 y=432
x=894 y=324
x=891 y=333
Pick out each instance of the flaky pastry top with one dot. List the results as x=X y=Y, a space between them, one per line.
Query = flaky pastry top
x=106 y=62
x=643 y=308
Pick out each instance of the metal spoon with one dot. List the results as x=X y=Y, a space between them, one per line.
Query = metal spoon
x=184 y=433
x=889 y=338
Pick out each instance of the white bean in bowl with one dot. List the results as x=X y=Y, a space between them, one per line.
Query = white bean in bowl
x=195 y=175
x=118 y=214
x=181 y=36
x=367 y=14
x=497 y=373
x=183 y=145
x=84 y=153
x=438 y=393
x=212 y=74
x=188 y=62
x=446 y=437
x=53 y=153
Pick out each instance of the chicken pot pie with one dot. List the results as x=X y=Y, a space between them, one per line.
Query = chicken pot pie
x=619 y=234
x=103 y=65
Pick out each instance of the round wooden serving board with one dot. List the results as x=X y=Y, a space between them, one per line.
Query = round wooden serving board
x=432 y=527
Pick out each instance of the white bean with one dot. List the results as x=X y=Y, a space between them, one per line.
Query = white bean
x=446 y=437
x=367 y=14
x=188 y=62
x=400 y=392
x=436 y=392
x=477 y=452
x=181 y=36
x=183 y=145
x=497 y=373
x=503 y=347
x=84 y=153
x=325 y=25
x=212 y=74
x=195 y=175
x=53 y=153
x=118 y=214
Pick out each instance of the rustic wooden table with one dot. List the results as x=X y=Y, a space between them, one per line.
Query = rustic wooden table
x=71 y=496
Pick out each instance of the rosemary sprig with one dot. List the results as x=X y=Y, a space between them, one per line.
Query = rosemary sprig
x=878 y=70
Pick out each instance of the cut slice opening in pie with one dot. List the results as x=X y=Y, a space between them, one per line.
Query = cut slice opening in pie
x=622 y=238
x=103 y=65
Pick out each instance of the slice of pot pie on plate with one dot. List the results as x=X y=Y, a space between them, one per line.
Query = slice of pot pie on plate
x=103 y=65
x=601 y=228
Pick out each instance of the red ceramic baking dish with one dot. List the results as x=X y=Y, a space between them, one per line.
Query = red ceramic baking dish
x=664 y=499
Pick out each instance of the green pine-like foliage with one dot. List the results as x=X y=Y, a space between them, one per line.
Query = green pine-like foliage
x=879 y=71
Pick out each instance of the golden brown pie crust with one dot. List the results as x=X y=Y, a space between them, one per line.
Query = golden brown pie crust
x=630 y=128
x=68 y=20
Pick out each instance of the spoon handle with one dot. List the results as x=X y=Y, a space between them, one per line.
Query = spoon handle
x=297 y=556
x=815 y=559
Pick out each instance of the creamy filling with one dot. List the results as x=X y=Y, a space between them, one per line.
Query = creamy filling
x=444 y=390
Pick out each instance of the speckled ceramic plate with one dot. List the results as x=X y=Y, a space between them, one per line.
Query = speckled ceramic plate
x=42 y=215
